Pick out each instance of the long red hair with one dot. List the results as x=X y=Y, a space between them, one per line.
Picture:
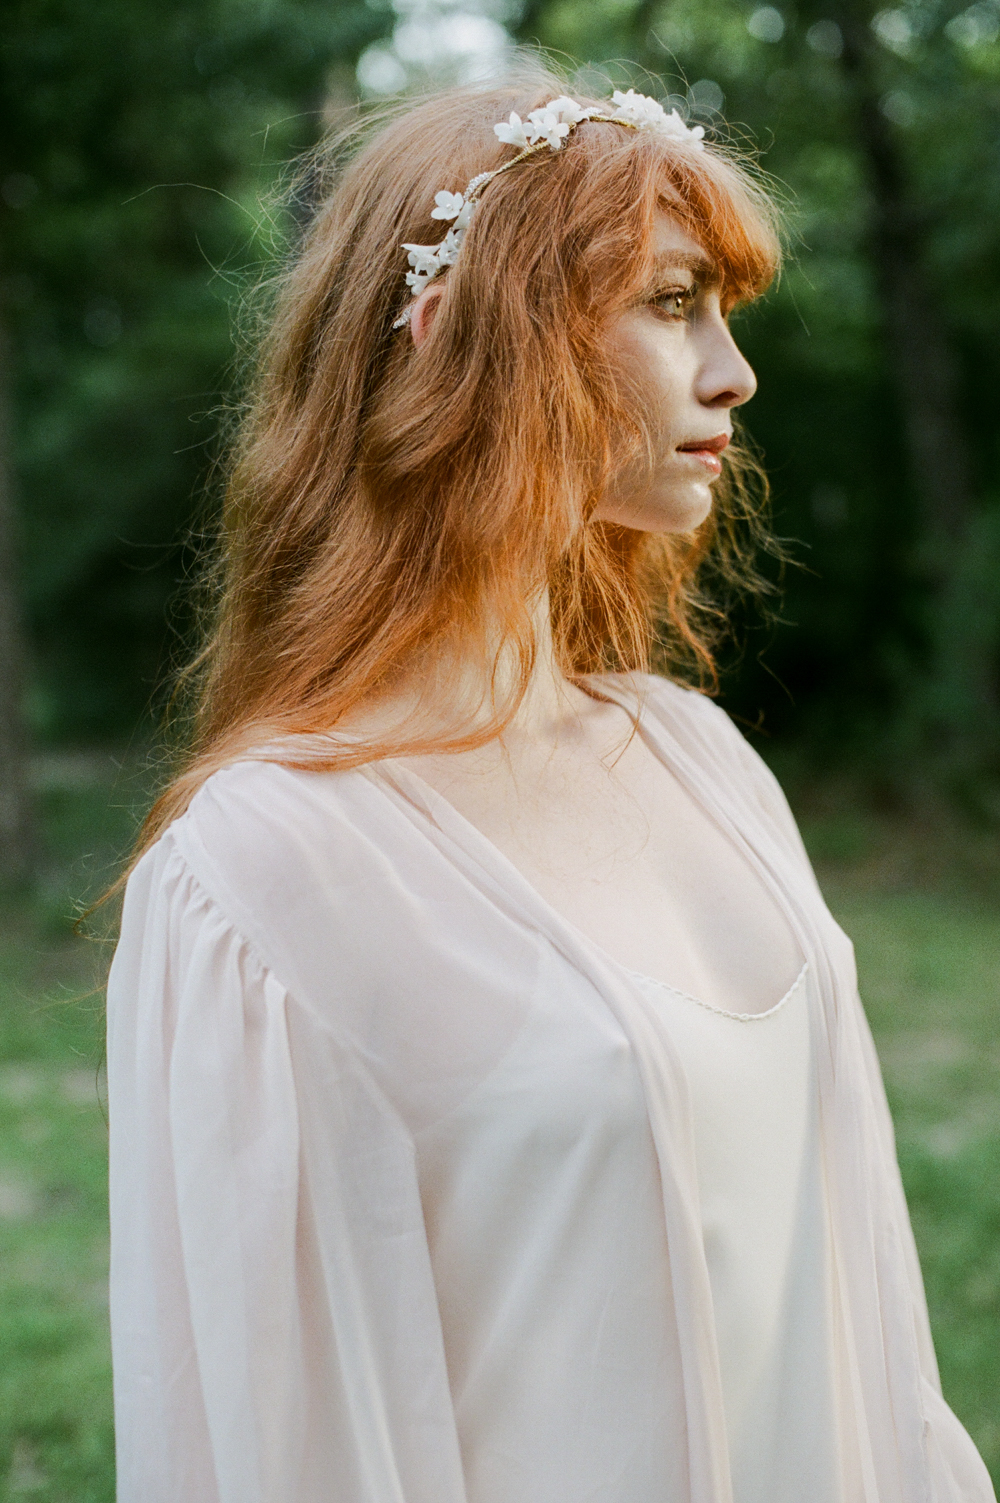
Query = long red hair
x=385 y=504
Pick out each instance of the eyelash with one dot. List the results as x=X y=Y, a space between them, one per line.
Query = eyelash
x=682 y=296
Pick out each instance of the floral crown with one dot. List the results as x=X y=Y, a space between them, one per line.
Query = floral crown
x=545 y=127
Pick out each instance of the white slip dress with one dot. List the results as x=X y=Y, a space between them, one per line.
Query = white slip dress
x=751 y=1084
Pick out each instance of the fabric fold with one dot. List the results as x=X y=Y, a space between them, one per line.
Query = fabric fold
x=403 y=1199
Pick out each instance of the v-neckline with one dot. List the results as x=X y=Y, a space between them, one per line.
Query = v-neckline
x=509 y=878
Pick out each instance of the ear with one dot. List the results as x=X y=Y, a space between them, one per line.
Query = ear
x=423 y=313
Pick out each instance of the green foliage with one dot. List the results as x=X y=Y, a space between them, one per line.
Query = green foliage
x=138 y=138
x=928 y=963
x=56 y=1434
x=865 y=661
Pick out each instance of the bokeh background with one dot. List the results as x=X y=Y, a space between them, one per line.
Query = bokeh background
x=141 y=147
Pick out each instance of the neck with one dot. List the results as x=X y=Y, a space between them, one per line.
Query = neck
x=447 y=694
x=550 y=698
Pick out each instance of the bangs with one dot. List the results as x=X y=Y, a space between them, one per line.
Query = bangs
x=600 y=202
x=722 y=206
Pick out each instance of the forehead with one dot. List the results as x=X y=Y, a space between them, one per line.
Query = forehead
x=674 y=245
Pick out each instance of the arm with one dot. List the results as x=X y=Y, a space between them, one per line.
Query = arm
x=274 y=1323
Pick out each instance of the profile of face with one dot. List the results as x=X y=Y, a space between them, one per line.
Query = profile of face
x=685 y=371
x=688 y=375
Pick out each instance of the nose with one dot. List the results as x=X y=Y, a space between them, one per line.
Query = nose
x=725 y=378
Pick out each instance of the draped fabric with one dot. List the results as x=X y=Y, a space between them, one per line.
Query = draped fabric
x=751 y=1083
x=403 y=1192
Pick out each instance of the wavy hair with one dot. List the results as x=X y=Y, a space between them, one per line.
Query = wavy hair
x=386 y=504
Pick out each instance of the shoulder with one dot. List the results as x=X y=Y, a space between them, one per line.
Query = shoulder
x=689 y=713
x=259 y=829
x=682 y=709
x=708 y=737
x=681 y=699
x=263 y=840
x=698 y=710
x=320 y=874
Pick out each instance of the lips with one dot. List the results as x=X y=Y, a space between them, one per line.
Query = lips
x=706 y=445
x=706 y=451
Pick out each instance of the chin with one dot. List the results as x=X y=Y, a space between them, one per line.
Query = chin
x=674 y=512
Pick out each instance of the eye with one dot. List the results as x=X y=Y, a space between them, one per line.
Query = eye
x=675 y=302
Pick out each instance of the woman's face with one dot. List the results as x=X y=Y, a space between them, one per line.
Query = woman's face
x=688 y=375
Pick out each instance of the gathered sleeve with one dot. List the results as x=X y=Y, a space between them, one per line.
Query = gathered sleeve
x=274 y=1322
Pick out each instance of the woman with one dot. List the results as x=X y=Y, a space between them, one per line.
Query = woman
x=493 y=1115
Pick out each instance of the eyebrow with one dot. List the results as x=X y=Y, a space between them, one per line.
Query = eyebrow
x=700 y=267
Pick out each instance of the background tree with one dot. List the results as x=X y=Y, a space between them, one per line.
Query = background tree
x=137 y=139
x=16 y=825
x=877 y=352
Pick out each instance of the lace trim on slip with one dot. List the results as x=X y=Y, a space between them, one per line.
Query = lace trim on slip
x=740 y=1017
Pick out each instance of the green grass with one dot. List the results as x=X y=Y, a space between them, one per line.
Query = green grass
x=929 y=966
x=926 y=925
x=56 y=1435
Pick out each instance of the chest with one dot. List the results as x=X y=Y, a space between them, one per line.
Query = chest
x=624 y=853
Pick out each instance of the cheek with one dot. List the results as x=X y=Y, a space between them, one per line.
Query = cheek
x=655 y=492
x=654 y=362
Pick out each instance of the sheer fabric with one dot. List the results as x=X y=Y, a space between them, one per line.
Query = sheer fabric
x=404 y=1187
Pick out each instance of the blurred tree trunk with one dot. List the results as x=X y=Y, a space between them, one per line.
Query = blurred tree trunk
x=923 y=364
x=16 y=824
x=956 y=709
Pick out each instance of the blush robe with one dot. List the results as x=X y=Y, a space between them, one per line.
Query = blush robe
x=404 y=1196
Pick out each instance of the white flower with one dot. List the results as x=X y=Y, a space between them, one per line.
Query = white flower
x=551 y=124
x=449 y=205
x=673 y=125
x=648 y=114
x=569 y=111
x=545 y=125
x=512 y=134
x=449 y=248
x=638 y=109
x=424 y=259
